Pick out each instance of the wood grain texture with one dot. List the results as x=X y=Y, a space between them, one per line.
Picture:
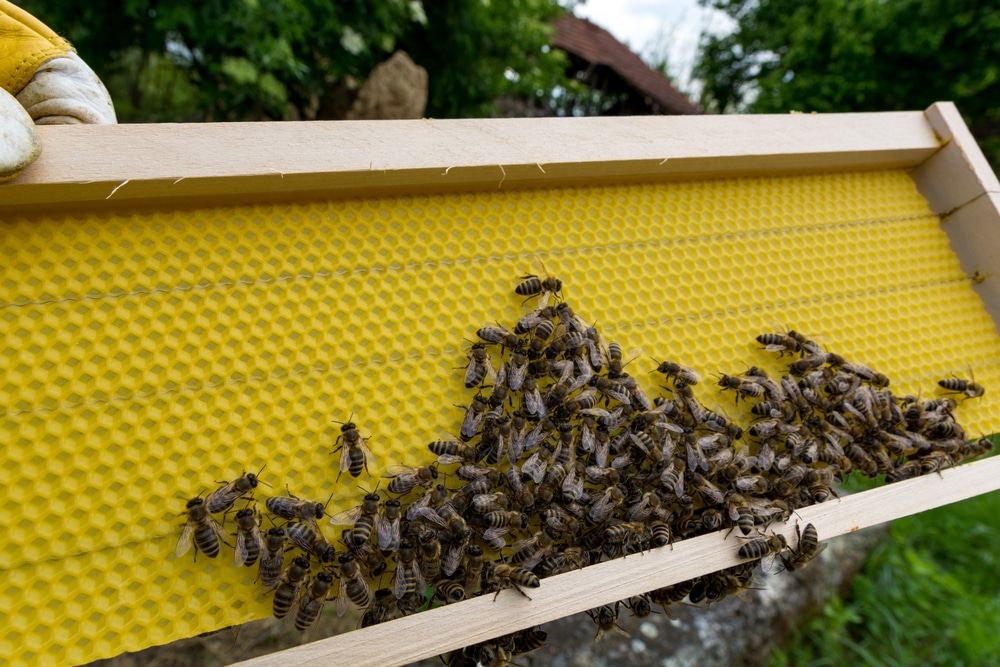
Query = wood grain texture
x=960 y=185
x=190 y=164
x=448 y=628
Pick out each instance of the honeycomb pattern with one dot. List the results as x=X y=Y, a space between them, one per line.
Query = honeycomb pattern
x=144 y=356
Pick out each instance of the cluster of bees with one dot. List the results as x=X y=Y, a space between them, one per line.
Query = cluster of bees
x=563 y=460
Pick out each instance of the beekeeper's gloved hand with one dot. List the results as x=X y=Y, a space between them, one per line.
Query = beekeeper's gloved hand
x=42 y=81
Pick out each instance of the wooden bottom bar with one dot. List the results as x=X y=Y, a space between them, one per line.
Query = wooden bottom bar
x=447 y=628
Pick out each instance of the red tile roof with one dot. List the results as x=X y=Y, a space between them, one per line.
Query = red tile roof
x=596 y=45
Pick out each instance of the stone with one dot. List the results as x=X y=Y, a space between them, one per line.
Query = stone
x=395 y=89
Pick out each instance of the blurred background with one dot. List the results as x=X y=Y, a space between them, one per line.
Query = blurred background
x=923 y=592
x=209 y=60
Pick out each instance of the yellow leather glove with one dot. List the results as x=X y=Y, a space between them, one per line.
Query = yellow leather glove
x=43 y=81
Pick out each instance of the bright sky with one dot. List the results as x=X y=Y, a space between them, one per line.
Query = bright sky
x=654 y=27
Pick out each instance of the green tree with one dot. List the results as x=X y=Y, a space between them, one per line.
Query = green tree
x=856 y=55
x=279 y=59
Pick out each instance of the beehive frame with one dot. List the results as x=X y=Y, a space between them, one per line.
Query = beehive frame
x=106 y=171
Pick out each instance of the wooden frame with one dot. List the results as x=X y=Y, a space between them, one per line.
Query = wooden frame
x=101 y=168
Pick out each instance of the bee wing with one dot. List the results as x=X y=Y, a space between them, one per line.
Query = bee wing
x=695 y=456
x=767 y=562
x=535 y=467
x=342 y=600
x=387 y=533
x=396 y=471
x=217 y=528
x=428 y=514
x=534 y=404
x=515 y=376
x=218 y=500
x=495 y=536
x=639 y=443
x=631 y=356
x=347 y=517
x=345 y=457
x=587 y=438
x=241 y=548
x=185 y=540
x=602 y=452
x=711 y=492
x=399 y=583
x=573 y=486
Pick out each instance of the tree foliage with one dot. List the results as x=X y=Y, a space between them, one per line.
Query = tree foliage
x=856 y=55
x=250 y=59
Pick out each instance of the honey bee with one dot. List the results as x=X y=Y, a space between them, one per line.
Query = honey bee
x=595 y=349
x=626 y=534
x=531 y=320
x=294 y=508
x=605 y=504
x=610 y=388
x=306 y=536
x=473 y=569
x=382 y=609
x=812 y=362
x=639 y=605
x=224 y=497
x=479 y=367
x=500 y=336
x=961 y=386
x=807 y=548
x=272 y=557
x=660 y=533
x=453 y=451
x=679 y=374
x=473 y=417
x=495 y=437
x=545 y=285
x=430 y=556
x=387 y=526
x=201 y=529
x=616 y=360
x=518 y=368
x=290 y=586
x=248 y=539
x=353 y=587
x=559 y=519
x=713 y=421
x=523 y=497
x=540 y=336
x=408 y=577
x=354 y=452
x=404 y=479
x=531 y=399
x=743 y=388
x=460 y=534
x=362 y=518
x=313 y=600
x=765 y=549
x=606 y=619
x=779 y=342
x=870 y=376
x=449 y=590
x=511 y=576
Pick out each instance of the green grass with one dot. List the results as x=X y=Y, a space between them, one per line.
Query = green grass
x=929 y=595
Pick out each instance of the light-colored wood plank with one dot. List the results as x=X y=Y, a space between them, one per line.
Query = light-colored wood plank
x=447 y=628
x=959 y=172
x=189 y=164
x=960 y=185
